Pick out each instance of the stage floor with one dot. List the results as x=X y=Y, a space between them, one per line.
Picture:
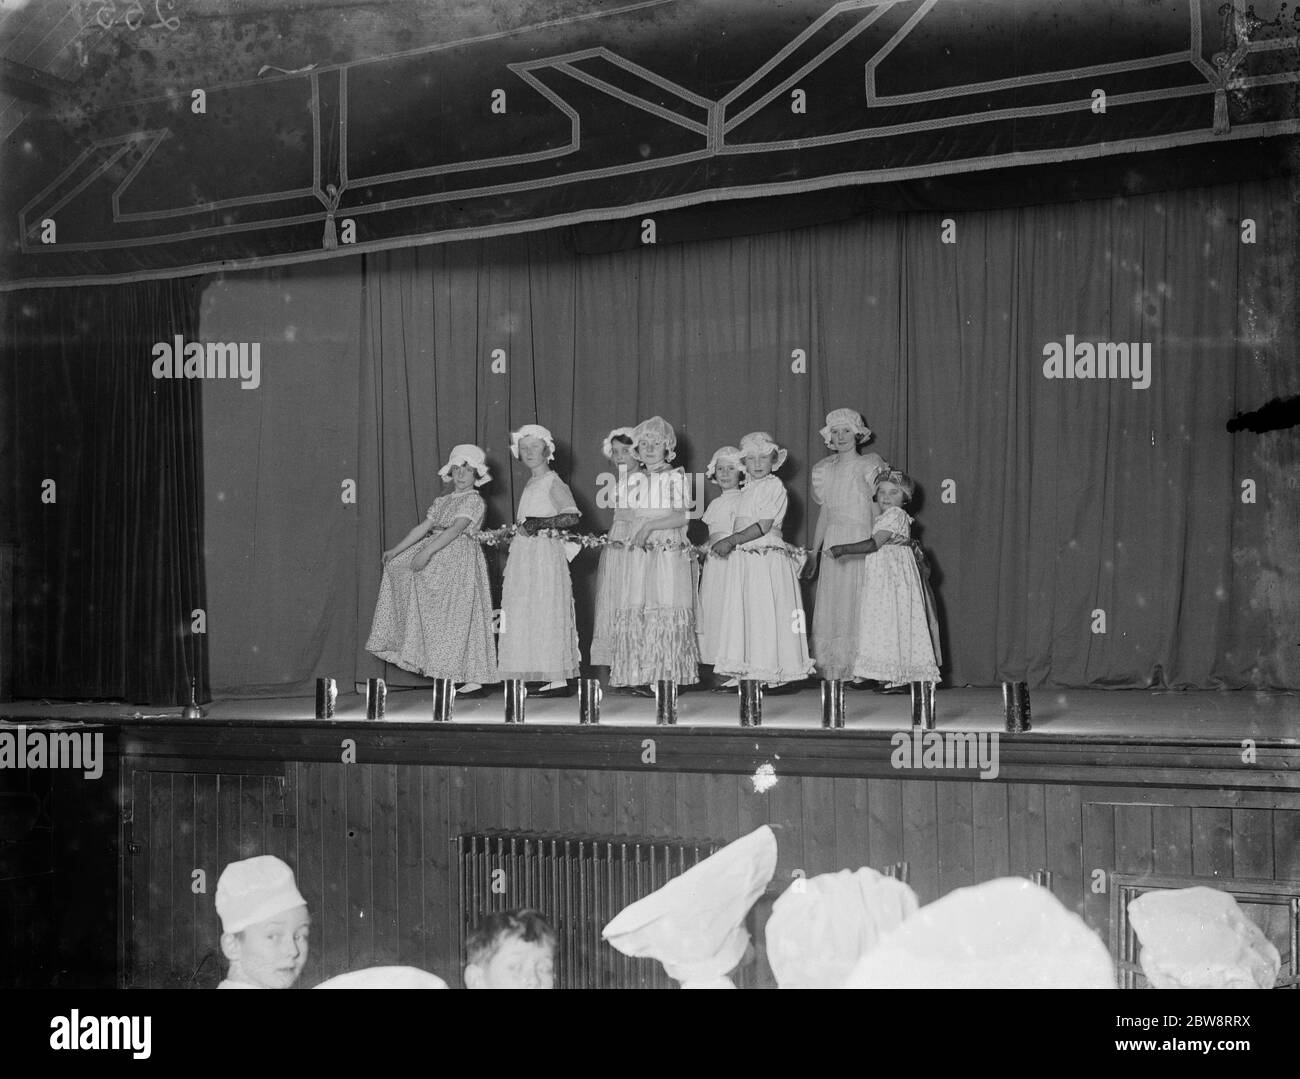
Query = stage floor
x=1145 y=715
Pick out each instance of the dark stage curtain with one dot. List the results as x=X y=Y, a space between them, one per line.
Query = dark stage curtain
x=1084 y=532
x=110 y=570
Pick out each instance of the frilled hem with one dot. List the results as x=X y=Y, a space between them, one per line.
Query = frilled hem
x=654 y=644
x=485 y=675
x=897 y=674
x=765 y=674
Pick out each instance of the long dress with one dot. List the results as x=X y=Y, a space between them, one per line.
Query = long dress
x=720 y=519
x=539 y=631
x=894 y=630
x=438 y=622
x=762 y=633
x=611 y=578
x=654 y=629
x=842 y=486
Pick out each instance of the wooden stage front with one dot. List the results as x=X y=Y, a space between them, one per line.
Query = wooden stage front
x=1168 y=784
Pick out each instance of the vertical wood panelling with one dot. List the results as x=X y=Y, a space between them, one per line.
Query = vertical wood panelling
x=1133 y=839
x=370 y=844
x=885 y=827
x=409 y=837
x=852 y=824
x=1098 y=853
x=956 y=840
x=1252 y=843
x=384 y=866
x=1171 y=835
x=989 y=834
x=921 y=838
x=1212 y=842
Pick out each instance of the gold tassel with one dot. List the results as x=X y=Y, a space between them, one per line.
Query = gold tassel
x=1221 y=111
x=331 y=237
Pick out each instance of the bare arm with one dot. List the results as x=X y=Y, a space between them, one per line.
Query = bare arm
x=445 y=537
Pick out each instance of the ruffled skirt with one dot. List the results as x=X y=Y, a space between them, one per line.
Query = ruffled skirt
x=654 y=628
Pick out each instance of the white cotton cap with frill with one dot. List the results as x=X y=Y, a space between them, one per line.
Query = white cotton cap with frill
x=607 y=447
x=1003 y=934
x=729 y=455
x=1198 y=938
x=822 y=926
x=532 y=430
x=695 y=924
x=385 y=978
x=467 y=454
x=656 y=429
x=760 y=443
x=846 y=417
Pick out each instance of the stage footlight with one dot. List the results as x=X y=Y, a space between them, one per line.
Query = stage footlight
x=1015 y=707
x=327 y=695
x=515 y=692
x=589 y=698
x=665 y=704
x=444 y=697
x=192 y=710
x=923 y=705
x=833 y=704
x=376 y=696
x=751 y=702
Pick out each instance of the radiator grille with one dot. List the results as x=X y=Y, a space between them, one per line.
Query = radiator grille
x=579 y=883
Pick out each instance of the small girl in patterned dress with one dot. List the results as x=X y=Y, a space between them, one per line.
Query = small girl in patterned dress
x=894 y=641
x=434 y=612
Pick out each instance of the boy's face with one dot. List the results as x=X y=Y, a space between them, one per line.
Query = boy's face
x=516 y=964
x=270 y=954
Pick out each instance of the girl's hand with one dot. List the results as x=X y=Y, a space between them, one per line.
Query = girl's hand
x=639 y=536
x=809 y=570
x=837 y=551
x=723 y=548
x=387 y=557
x=421 y=560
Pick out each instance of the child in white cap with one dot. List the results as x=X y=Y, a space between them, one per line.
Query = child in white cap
x=842 y=486
x=264 y=924
x=611 y=574
x=434 y=612
x=539 y=630
x=654 y=629
x=762 y=634
x=725 y=469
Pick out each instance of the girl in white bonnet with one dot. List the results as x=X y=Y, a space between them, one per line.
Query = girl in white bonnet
x=726 y=470
x=842 y=485
x=762 y=632
x=434 y=612
x=539 y=631
x=612 y=572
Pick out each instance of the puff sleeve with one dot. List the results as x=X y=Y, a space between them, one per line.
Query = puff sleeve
x=820 y=472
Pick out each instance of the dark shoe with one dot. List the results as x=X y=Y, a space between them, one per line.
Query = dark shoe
x=783 y=689
x=718 y=687
x=893 y=690
x=861 y=684
x=471 y=695
x=635 y=691
x=565 y=690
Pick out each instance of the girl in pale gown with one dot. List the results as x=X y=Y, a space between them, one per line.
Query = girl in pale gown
x=842 y=486
x=654 y=630
x=611 y=573
x=762 y=632
x=539 y=631
x=725 y=469
x=434 y=611
x=894 y=642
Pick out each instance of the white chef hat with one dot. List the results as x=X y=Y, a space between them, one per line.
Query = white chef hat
x=253 y=890
x=695 y=924
x=466 y=454
x=1198 y=938
x=607 y=447
x=1003 y=934
x=385 y=978
x=849 y=417
x=760 y=443
x=822 y=926
x=730 y=454
x=657 y=429
x=532 y=430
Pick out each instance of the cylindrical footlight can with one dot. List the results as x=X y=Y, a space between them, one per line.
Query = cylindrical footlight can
x=327 y=693
x=376 y=695
x=665 y=703
x=751 y=702
x=589 y=696
x=1042 y=877
x=444 y=697
x=1015 y=706
x=923 y=705
x=516 y=691
x=833 y=704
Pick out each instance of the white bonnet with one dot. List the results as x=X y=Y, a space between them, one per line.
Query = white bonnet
x=532 y=430
x=849 y=417
x=657 y=429
x=760 y=443
x=466 y=454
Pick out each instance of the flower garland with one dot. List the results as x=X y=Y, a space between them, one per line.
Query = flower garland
x=500 y=537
